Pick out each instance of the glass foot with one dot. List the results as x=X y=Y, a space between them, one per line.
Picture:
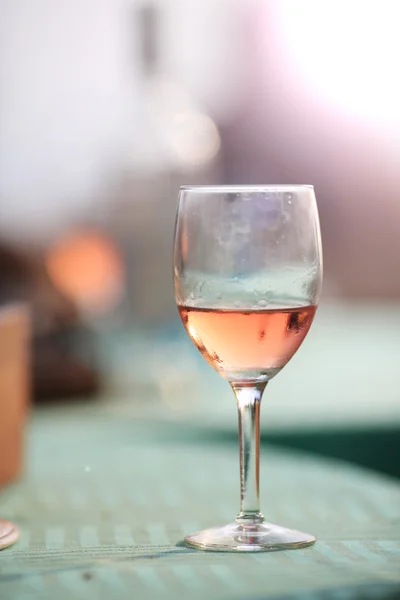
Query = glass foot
x=260 y=537
x=9 y=534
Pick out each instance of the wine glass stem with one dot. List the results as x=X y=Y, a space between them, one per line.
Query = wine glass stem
x=248 y=398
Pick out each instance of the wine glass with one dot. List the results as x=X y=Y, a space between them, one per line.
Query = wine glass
x=9 y=534
x=248 y=274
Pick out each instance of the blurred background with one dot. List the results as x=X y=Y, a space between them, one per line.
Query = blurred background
x=108 y=106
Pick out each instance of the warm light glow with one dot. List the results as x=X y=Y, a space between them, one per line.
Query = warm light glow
x=86 y=267
x=347 y=51
x=189 y=133
x=195 y=137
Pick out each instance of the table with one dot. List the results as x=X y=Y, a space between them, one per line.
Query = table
x=106 y=501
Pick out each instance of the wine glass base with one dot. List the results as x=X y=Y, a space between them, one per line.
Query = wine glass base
x=259 y=537
x=9 y=534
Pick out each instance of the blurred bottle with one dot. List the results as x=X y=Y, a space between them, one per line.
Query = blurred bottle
x=173 y=141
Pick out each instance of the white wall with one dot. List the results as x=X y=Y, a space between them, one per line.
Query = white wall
x=68 y=98
x=63 y=87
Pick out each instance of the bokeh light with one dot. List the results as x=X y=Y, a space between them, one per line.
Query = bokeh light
x=85 y=265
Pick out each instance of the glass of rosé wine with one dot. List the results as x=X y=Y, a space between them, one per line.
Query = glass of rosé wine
x=248 y=274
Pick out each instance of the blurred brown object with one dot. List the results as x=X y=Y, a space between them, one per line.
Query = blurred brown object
x=58 y=372
x=14 y=387
x=23 y=278
x=58 y=335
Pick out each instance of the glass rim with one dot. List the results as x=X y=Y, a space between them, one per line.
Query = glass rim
x=245 y=188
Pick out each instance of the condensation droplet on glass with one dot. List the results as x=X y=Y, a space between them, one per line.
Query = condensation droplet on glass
x=237 y=304
x=236 y=279
x=262 y=303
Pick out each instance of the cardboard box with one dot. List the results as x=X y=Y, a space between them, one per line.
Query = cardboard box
x=14 y=387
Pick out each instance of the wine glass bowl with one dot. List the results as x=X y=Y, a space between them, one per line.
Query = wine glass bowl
x=248 y=274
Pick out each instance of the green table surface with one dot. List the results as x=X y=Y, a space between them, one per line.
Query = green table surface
x=106 y=500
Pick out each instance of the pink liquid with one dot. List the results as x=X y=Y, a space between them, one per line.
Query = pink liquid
x=247 y=345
